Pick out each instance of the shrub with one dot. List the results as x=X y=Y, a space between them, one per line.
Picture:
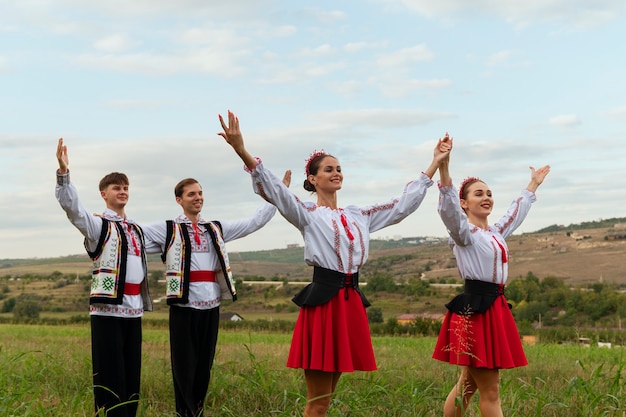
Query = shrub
x=26 y=310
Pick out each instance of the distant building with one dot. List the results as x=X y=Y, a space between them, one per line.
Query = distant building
x=405 y=319
x=293 y=245
x=230 y=317
x=615 y=236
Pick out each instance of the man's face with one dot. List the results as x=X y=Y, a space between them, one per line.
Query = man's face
x=115 y=196
x=191 y=200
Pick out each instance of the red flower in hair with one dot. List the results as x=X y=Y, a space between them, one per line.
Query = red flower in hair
x=466 y=181
x=314 y=155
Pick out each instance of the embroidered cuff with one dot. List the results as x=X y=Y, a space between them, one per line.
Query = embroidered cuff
x=529 y=194
x=63 y=179
x=444 y=187
x=248 y=170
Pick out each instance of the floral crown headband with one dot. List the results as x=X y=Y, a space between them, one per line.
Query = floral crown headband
x=313 y=156
x=465 y=183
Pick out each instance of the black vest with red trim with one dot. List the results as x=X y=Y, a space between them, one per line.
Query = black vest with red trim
x=177 y=260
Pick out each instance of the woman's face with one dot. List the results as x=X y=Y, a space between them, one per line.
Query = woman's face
x=478 y=200
x=328 y=177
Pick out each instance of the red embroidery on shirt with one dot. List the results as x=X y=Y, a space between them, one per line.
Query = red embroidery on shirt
x=376 y=209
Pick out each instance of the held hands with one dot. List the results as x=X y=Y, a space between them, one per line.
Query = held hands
x=64 y=161
x=443 y=149
x=441 y=155
x=537 y=176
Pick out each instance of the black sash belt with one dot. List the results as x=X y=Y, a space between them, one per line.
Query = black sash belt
x=477 y=297
x=326 y=284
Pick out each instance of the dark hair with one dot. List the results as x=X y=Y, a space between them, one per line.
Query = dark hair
x=116 y=178
x=312 y=167
x=178 y=190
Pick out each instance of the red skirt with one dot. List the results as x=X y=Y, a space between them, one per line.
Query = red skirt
x=333 y=337
x=487 y=340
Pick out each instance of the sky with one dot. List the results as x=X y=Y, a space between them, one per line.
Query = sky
x=137 y=86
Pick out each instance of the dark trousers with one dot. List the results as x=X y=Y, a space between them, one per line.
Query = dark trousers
x=193 y=336
x=116 y=361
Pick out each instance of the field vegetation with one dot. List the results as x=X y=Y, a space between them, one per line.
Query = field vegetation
x=568 y=285
x=45 y=371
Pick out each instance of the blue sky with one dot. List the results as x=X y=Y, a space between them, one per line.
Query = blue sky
x=137 y=87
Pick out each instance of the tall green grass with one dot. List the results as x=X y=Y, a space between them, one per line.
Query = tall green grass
x=46 y=371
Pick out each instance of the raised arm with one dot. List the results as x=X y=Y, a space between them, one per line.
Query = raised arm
x=232 y=135
x=67 y=196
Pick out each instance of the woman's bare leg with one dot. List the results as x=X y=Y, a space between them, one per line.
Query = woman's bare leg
x=320 y=387
x=488 y=384
x=464 y=389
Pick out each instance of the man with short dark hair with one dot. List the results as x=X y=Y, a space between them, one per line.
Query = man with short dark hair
x=198 y=278
x=119 y=288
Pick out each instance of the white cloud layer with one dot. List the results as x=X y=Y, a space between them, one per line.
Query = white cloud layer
x=137 y=86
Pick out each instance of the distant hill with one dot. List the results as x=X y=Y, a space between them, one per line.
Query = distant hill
x=596 y=224
x=583 y=253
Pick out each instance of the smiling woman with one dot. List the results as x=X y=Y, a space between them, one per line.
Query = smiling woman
x=332 y=334
x=479 y=332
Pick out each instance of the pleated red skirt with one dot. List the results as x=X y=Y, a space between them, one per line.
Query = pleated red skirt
x=333 y=337
x=487 y=340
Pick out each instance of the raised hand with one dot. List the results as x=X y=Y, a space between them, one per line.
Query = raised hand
x=232 y=133
x=537 y=176
x=64 y=161
x=287 y=178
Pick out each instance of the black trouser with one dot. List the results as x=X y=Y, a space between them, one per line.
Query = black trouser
x=116 y=362
x=193 y=336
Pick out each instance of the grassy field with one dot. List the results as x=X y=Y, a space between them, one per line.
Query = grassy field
x=45 y=371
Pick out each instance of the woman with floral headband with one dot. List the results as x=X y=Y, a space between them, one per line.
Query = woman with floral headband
x=331 y=335
x=479 y=332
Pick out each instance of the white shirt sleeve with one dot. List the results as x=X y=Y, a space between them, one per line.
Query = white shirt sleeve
x=397 y=209
x=232 y=230
x=88 y=224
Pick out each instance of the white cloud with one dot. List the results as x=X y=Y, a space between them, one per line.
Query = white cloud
x=326 y=16
x=402 y=57
x=319 y=51
x=354 y=47
x=115 y=43
x=385 y=118
x=4 y=64
x=399 y=87
x=565 y=120
x=580 y=14
x=618 y=113
x=498 y=58
x=201 y=60
x=350 y=88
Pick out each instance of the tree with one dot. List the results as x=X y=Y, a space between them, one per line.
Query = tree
x=8 y=305
x=26 y=310
x=380 y=282
x=375 y=315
